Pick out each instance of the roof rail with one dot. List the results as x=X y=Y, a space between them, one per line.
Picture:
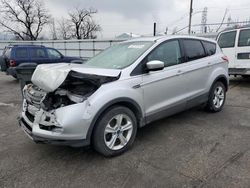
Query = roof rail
x=236 y=27
x=25 y=45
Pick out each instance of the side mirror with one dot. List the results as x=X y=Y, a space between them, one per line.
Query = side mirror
x=155 y=65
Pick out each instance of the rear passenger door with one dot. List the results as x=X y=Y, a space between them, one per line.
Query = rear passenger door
x=227 y=43
x=196 y=71
x=243 y=49
x=39 y=55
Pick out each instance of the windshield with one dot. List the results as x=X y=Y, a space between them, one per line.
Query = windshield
x=120 y=55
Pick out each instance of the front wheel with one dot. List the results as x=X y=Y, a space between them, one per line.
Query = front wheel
x=217 y=97
x=115 y=131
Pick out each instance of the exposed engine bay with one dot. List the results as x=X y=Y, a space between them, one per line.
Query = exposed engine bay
x=76 y=88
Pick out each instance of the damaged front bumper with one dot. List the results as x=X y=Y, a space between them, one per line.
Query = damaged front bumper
x=64 y=126
x=58 y=110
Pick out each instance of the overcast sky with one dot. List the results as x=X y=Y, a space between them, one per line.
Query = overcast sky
x=137 y=16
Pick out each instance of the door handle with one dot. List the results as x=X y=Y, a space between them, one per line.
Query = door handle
x=209 y=63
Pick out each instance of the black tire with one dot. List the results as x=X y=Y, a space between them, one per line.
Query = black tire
x=211 y=106
x=245 y=76
x=3 y=64
x=99 y=137
x=14 y=76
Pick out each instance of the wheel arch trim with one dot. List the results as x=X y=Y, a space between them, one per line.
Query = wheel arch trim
x=121 y=101
x=224 y=81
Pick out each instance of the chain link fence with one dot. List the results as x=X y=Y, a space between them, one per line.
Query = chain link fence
x=78 y=48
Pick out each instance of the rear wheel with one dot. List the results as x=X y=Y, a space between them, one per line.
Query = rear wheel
x=217 y=97
x=14 y=76
x=3 y=64
x=115 y=131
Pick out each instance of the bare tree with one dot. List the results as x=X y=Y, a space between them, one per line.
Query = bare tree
x=82 y=23
x=64 y=29
x=24 y=18
x=52 y=28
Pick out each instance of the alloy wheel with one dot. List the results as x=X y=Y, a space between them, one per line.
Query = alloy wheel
x=118 y=132
x=219 y=97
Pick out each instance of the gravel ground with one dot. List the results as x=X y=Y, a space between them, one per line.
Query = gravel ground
x=190 y=149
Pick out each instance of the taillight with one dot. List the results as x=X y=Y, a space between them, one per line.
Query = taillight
x=12 y=63
x=225 y=58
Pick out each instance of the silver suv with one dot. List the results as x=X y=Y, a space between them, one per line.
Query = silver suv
x=129 y=85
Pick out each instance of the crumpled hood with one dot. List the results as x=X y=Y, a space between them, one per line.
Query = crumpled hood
x=49 y=77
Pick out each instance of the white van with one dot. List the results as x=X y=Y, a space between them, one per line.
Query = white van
x=235 y=44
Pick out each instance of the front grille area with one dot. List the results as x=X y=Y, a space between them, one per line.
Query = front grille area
x=47 y=128
x=34 y=95
x=30 y=116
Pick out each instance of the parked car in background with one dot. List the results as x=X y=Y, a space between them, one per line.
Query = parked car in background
x=17 y=55
x=235 y=44
x=104 y=101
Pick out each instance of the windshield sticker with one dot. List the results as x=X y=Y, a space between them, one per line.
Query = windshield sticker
x=136 y=46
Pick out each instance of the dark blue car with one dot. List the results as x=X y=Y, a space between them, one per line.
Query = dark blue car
x=18 y=55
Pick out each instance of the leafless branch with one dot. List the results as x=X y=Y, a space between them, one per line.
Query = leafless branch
x=29 y=16
x=64 y=29
x=83 y=24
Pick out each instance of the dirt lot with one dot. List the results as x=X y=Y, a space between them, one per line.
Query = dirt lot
x=191 y=149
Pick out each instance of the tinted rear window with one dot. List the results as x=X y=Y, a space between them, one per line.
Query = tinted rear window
x=21 y=53
x=193 y=49
x=244 y=39
x=210 y=47
x=227 y=40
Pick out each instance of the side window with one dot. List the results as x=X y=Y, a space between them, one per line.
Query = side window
x=193 y=49
x=168 y=52
x=227 y=40
x=53 y=54
x=37 y=53
x=210 y=47
x=21 y=53
x=244 y=39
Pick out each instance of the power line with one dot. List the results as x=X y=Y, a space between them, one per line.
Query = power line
x=226 y=11
x=211 y=24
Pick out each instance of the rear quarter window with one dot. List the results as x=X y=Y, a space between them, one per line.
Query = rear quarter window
x=244 y=38
x=193 y=49
x=227 y=40
x=210 y=47
x=21 y=53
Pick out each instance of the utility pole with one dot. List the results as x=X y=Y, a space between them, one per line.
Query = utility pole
x=154 y=29
x=190 y=17
x=166 y=32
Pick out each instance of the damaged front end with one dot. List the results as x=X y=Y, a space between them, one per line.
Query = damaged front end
x=75 y=89
x=58 y=114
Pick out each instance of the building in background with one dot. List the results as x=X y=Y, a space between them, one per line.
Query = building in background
x=127 y=36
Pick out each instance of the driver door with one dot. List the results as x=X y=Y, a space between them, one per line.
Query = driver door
x=165 y=90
